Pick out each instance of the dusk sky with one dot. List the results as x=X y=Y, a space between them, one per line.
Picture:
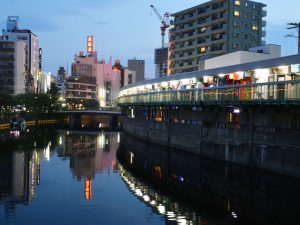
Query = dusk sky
x=123 y=29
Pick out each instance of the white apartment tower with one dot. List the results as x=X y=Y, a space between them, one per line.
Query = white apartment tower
x=14 y=33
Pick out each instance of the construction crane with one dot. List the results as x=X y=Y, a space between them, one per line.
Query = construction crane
x=165 y=24
x=295 y=26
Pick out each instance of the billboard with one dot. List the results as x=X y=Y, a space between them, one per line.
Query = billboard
x=90 y=44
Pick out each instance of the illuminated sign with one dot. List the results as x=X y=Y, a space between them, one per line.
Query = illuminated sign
x=90 y=44
x=88 y=189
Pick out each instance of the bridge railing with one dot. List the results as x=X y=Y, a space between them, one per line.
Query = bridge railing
x=272 y=92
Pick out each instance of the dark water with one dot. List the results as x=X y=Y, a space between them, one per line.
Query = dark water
x=68 y=177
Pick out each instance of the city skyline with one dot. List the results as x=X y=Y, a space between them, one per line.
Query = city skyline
x=123 y=30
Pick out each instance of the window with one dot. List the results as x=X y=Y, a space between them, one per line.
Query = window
x=237 y=2
x=236 y=24
x=254 y=6
x=236 y=13
x=255 y=17
x=254 y=27
x=254 y=38
x=203 y=49
x=236 y=35
x=236 y=46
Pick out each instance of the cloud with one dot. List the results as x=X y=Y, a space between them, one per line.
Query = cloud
x=39 y=24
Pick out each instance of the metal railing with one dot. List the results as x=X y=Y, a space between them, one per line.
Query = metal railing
x=281 y=92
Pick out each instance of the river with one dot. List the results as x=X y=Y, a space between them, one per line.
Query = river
x=76 y=177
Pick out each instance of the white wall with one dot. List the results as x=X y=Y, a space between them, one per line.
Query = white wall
x=33 y=60
x=19 y=71
x=240 y=57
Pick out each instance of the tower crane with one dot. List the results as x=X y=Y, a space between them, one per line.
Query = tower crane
x=165 y=24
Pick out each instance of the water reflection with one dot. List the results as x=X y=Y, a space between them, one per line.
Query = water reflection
x=19 y=175
x=89 y=155
x=163 y=204
x=21 y=159
x=207 y=192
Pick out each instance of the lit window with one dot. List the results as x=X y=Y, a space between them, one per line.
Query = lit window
x=203 y=49
x=237 y=3
x=236 y=13
x=254 y=27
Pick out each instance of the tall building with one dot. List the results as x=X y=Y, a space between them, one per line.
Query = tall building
x=106 y=79
x=138 y=66
x=161 y=62
x=212 y=29
x=13 y=57
x=14 y=33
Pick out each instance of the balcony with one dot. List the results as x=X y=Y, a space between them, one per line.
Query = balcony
x=218 y=38
x=7 y=49
x=263 y=13
x=220 y=17
x=218 y=5
x=7 y=58
x=8 y=66
x=263 y=23
x=202 y=10
x=215 y=27
x=217 y=48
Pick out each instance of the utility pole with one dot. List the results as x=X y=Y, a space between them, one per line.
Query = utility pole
x=295 y=26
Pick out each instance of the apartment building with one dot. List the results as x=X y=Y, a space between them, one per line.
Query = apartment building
x=81 y=87
x=13 y=56
x=212 y=29
x=14 y=33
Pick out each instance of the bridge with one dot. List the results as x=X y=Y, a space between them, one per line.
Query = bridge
x=89 y=112
x=91 y=119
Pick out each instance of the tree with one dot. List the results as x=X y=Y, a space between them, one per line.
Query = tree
x=6 y=102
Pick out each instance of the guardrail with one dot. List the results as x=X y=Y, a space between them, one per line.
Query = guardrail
x=281 y=92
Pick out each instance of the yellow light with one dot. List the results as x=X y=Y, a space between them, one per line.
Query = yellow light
x=237 y=3
x=236 y=13
x=203 y=49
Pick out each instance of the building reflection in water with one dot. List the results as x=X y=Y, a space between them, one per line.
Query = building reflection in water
x=89 y=154
x=20 y=173
x=20 y=170
x=206 y=191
